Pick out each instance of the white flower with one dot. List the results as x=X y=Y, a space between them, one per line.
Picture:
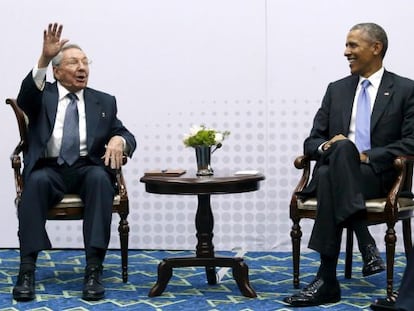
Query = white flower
x=203 y=136
x=195 y=129
x=218 y=137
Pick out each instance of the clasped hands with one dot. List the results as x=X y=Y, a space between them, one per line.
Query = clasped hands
x=362 y=156
x=114 y=152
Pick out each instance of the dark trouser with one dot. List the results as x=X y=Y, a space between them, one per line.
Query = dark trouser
x=342 y=184
x=405 y=300
x=46 y=186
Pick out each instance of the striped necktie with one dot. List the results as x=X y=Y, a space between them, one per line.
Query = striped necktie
x=69 y=150
x=363 y=119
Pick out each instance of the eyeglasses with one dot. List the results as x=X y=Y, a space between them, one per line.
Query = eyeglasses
x=74 y=62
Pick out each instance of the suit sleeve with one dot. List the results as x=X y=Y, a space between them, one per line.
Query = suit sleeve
x=119 y=129
x=320 y=130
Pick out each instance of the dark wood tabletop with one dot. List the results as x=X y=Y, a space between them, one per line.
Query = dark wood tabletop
x=191 y=184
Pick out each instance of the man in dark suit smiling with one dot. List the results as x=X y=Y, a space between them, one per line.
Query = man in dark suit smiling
x=75 y=141
x=364 y=122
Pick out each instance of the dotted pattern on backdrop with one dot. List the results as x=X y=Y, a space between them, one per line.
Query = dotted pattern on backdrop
x=265 y=136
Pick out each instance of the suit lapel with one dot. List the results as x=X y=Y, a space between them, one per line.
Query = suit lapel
x=384 y=95
x=51 y=99
x=92 y=116
x=348 y=100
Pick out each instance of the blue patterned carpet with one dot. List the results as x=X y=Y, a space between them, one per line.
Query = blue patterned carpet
x=59 y=281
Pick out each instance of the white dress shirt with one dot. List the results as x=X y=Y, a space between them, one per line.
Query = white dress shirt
x=375 y=80
x=55 y=141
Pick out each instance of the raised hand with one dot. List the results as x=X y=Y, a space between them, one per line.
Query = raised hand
x=52 y=43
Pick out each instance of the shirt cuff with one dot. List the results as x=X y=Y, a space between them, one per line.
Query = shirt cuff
x=320 y=148
x=39 y=76
x=366 y=159
x=126 y=147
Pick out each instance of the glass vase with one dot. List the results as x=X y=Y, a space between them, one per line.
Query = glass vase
x=203 y=157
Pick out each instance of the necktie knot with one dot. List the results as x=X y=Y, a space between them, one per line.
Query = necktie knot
x=72 y=97
x=364 y=84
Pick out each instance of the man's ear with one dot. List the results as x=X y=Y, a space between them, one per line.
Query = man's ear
x=377 y=47
x=55 y=72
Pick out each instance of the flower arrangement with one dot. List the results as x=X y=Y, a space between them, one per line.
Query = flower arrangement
x=203 y=136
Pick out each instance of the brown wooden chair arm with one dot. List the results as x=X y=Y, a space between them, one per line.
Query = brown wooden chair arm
x=120 y=181
x=17 y=151
x=403 y=166
x=302 y=162
x=20 y=117
x=16 y=163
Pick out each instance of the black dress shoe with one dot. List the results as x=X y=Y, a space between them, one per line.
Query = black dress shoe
x=24 y=290
x=92 y=285
x=372 y=261
x=318 y=292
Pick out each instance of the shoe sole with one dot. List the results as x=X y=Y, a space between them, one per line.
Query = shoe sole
x=93 y=297
x=373 y=272
x=310 y=304
x=23 y=297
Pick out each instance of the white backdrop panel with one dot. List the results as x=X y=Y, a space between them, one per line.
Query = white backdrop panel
x=257 y=68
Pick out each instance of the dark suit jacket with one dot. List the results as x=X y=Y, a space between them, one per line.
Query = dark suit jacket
x=392 y=119
x=41 y=107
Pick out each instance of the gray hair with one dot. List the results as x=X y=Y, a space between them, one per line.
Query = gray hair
x=374 y=33
x=58 y=58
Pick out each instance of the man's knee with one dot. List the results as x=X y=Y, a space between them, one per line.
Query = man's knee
x=344 y=151
x=38 y=179
x=98 y=175
x=347 y=145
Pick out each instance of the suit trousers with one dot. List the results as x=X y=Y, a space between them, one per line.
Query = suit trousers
x=46 y=186
x=405 y=300
x=342 y=183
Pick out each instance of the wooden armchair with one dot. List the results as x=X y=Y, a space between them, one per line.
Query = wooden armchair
x=71 y=206
x=387 y=210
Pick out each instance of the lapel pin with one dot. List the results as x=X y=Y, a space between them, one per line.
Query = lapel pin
x=386 y=94
x=103 y=114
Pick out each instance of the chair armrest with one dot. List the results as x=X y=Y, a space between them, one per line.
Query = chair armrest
x=302 y=162
x=403 y=182
x=16 y=164
x=120 y=181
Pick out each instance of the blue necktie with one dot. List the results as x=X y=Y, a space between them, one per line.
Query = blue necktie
x=363 y=119
x=69 y=150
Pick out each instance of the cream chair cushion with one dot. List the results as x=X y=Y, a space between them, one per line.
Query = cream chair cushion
x=73 y=200
x=376 y=206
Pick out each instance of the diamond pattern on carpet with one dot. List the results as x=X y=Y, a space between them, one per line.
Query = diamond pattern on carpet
x=59 y=279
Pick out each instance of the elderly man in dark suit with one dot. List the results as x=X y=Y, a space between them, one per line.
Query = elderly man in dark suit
x=75 y=143
x=364 y=122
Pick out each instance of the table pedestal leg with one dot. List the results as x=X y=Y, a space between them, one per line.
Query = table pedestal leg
x=204 y=223
x=164 y=275
x=204 y=256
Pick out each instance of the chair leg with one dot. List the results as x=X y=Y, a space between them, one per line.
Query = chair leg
x=408 y=243
x=296 y=235
x=123 y=230
x=390 y=241
x=348 y=253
